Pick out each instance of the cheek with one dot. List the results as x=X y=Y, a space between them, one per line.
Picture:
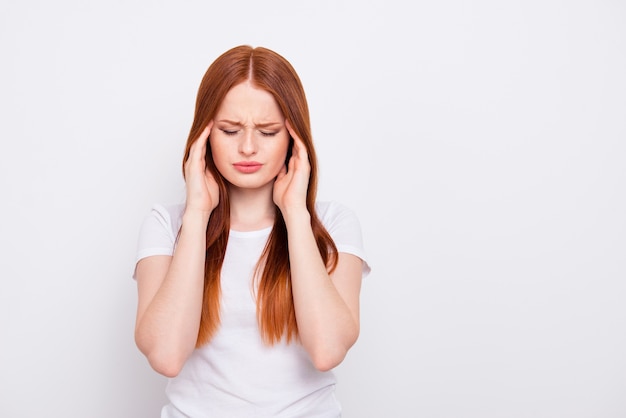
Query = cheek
x=281 y=154
x=277 y=161
x=285 y=147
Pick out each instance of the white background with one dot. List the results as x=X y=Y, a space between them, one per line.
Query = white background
x=482 y=144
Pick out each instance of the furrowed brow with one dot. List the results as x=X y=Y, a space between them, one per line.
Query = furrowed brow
x=258 y=125
x=267 y=124
x=230 y=122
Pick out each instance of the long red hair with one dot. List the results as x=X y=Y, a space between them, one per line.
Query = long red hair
x=274 y=74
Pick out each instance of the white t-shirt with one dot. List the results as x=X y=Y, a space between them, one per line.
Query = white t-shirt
x=236 y=374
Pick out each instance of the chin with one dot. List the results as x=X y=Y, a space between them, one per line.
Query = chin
x=251 y=184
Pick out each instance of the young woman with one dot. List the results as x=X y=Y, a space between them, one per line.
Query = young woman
x=249 y=290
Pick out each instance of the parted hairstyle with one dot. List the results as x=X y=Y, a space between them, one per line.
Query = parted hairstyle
x=275 y=309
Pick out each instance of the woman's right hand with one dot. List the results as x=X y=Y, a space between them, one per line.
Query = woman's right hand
x=202 y=189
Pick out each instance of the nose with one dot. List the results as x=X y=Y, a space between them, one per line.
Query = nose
x=248 y=145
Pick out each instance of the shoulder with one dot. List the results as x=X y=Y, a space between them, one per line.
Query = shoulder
x=167 y=215
x=331 y=209
x=333 y=214
x=162 y=220
x=344 y=227
x=157 y=235
x=340 y=221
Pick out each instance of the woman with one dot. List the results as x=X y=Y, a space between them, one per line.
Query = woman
x=249 y=291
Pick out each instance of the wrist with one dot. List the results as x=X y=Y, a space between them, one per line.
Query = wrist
x=297 y=217
x=196 y=217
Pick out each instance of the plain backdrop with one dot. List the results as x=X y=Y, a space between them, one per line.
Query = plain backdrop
x=482 y=145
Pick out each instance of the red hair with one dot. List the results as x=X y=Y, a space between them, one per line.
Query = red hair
x=275 y=310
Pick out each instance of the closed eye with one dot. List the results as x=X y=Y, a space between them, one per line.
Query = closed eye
x=266 y=133
x=229 y=132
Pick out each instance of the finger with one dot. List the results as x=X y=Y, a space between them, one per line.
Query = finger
x=292 y=162
x=289 y=128
x=293 y=133
x=298 y=145
x=198 y=148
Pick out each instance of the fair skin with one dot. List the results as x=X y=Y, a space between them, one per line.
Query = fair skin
x=249 y=138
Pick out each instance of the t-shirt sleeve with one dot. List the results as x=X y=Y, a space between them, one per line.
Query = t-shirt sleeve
x=157 y=235
x=344 y=227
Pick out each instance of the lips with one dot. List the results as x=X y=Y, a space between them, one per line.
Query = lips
x=247 y=166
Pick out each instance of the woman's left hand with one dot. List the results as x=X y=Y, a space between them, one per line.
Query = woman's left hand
x=292 y=182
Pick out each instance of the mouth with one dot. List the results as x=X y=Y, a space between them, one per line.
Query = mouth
x=247 y=166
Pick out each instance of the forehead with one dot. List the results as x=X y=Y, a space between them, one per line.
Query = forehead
x=245 y=101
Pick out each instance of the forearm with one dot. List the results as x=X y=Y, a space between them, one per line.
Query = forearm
x=168 y=328
x=326 y=325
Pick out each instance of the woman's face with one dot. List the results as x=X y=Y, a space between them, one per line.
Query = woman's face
x=249 y=139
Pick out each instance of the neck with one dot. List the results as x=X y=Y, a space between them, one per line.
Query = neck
x=251 y=210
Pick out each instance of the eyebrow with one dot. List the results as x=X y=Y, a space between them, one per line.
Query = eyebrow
x=258 y=125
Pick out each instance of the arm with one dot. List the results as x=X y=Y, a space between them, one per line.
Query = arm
x=170 y=289
x=327 y=306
